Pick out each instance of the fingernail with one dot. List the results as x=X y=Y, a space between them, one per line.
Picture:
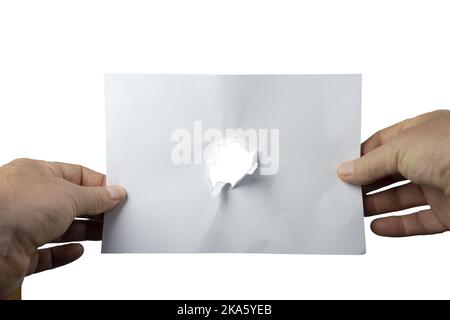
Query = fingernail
x=116 y=192
x=345 y=169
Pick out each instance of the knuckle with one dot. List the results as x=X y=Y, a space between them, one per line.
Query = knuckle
x=363 y=167
x=397 y=197
x=74 y=202
x=98 y=201
x=440 y=112
x=20 y=162
x=398 y=158
x=423 y=226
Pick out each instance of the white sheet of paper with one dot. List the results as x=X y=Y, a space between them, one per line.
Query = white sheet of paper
x=298 y=206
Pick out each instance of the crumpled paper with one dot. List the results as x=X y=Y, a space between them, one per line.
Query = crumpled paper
x=157 y=125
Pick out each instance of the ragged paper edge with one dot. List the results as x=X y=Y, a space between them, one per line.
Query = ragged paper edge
x=218 y=187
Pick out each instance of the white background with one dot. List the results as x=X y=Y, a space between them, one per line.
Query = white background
x=53 y=55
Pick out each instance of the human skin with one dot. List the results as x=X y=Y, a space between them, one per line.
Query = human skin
x=418 y=150
x=39 y=202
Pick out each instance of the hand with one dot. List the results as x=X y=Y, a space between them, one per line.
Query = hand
x=418 y=150
x=39 y=202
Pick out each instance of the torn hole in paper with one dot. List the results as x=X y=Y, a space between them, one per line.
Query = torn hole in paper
x=228 y=163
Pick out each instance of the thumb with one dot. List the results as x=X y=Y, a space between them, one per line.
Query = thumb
x=96 y=200
x=373 y=166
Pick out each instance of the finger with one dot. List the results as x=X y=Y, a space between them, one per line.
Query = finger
x=385 y=135
x=420 y=223
x=96 y=200
x=371 y=167
x=51 y=258
x=395 y=199
x=78 y=174
x=82 y=230
x=384 y=182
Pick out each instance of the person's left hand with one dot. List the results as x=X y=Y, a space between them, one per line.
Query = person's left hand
x=39 y=202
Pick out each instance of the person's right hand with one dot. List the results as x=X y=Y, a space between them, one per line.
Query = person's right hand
x=418 y=150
